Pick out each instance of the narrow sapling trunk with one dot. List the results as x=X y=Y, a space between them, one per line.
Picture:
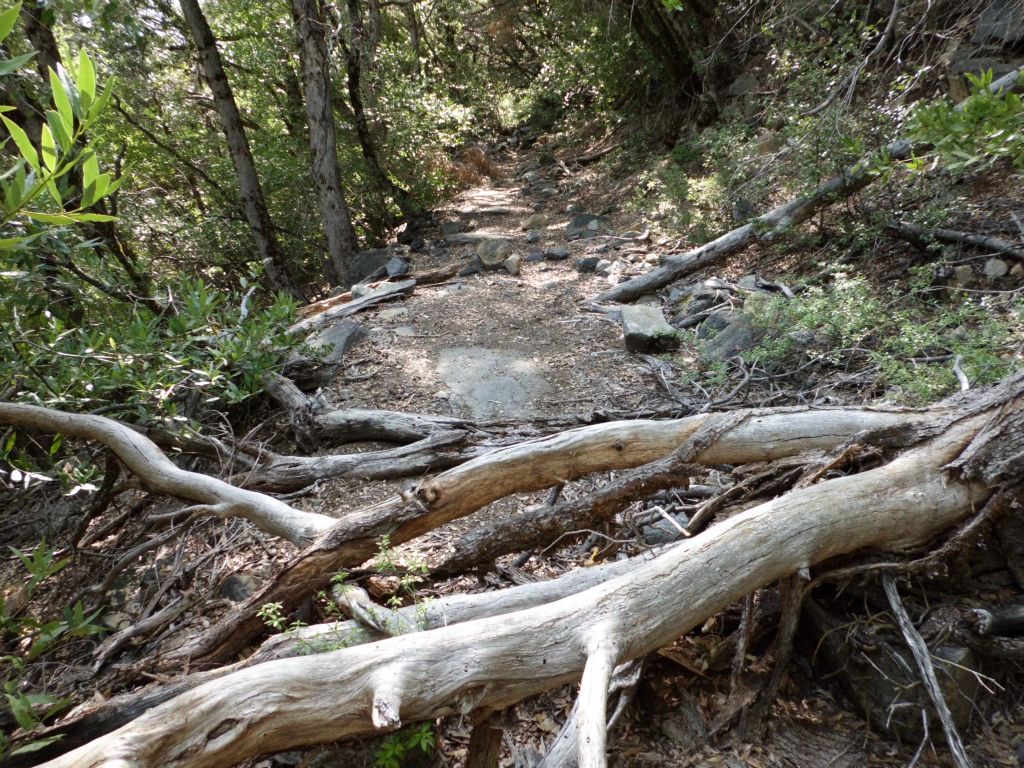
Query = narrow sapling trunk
x=251 y=190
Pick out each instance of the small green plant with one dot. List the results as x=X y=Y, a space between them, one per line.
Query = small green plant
x=398 y=746
x=910 y=341
x=33 y=638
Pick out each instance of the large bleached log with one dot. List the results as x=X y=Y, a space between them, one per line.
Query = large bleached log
x=488 y=663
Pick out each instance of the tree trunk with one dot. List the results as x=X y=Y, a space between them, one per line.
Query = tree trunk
x=316 y=79
x=253 y=202
x=380 y=179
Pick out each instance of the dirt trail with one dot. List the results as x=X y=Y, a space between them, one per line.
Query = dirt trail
x=495 y=345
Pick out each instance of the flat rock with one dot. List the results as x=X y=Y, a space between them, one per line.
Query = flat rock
x=492 y=383
x=645 y=329
x=536 y=221
x=532 y=236
x=557 y=253
x=585 y=225
x=536 y=255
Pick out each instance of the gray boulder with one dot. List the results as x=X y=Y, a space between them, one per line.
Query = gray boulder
x=738 y=335
x=645 y=330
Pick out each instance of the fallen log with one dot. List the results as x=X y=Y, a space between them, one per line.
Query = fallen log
x=100 y=719
x=777 y=221
x=757 y=435
x=383 y=292
x=142 y=457
x=485 y=664
x=918 y=235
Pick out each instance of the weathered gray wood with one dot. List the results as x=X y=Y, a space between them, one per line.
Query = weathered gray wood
x=384 y=292
x=484 y=663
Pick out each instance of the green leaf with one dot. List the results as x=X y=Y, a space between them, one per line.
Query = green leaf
x=48 y=146
x=101 y=103
x=38 y=744
x=51 y=218
x=56 y=124
x=23 y=142
x=86 y=80
x=10 y=243
x=90 y=168
x=63 y=102
x=21 y=711
x=11 y=66
x=8 y=19
x=98 y=217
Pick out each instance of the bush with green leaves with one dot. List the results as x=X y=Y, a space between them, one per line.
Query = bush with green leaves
x=74 y=333
x=908 y=342
x=986 y=128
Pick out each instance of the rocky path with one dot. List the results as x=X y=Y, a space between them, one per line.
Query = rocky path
x=509 y=338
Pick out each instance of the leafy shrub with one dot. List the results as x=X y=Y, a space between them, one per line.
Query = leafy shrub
x=985 y=129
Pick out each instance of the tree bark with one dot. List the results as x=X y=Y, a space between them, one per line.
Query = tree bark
x=316 y=79
x=253 y=202
x=381 y=180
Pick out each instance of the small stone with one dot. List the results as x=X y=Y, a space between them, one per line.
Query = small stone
x=535 y=255
x=450 y=228
x=513 y=263
x=963 y=276
x=584 y=225
x=405 y=330
x=603 y=267
x=117 y=621
x=588 y=264
x=996 y=268
x=574 y=208
x=532 y=177
x=769 y=143
x=1018 y=270
x=645 y=330
x=492 y=253
x=532 y=236
x=557 y=253
x=652 y=259
x=536 y=221
x=549 y=192
x=744 y=84
x=392 y=314
x=397 y=266
x=474 y=267
x=748 y=282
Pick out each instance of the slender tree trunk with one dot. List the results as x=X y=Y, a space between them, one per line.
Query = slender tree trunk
x=341 y=237
x=253 y=202
x=380 y=179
